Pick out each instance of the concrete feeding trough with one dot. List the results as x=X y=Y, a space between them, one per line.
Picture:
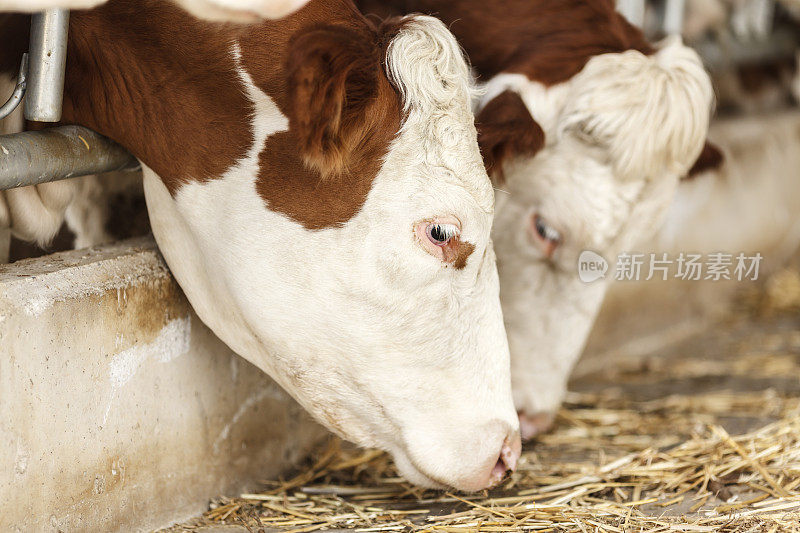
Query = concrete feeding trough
x=121 y=410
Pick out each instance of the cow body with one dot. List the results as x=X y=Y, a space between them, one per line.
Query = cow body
x=586 y=129
x=317 y=190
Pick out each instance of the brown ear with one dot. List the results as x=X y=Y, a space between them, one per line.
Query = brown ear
x=334 y=74
x=710 y=158
x=506 y=129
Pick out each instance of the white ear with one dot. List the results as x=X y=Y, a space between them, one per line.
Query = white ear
x=650 y=112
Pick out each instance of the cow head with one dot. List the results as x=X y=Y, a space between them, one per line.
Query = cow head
x=588 y=164
x=348 y=254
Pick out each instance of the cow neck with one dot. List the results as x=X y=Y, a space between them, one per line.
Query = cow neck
x=165 y=85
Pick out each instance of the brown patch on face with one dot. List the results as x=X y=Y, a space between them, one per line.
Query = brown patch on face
x=334 y=79
x=710 y=158
x=458 y=253
x=506 y=129
x=547 y=40
x=343 y=114
x=288 y=186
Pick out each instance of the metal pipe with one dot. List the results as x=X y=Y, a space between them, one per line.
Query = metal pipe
x=674 y=11
x=48 y=59
x=34 y=157
x=19 y=90
x=633 y=10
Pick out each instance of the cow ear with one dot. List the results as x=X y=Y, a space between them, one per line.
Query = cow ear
x=333 y=75
x=710 y=158
x=506 y=129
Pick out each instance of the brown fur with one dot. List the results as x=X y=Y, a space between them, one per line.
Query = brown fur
x=548 y=40
x=343 y=113
x=506 y=129
x=458 y=254
x=710 y=158
x=14 y=29
x=334 y=84
x=163 y=85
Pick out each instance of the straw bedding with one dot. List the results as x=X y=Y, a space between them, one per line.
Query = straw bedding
x=704 y=439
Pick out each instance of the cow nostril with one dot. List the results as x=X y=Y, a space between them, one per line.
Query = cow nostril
x=498 y=472
x=506 y=462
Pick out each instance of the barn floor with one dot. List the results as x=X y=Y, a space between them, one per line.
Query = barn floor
x=699 y=436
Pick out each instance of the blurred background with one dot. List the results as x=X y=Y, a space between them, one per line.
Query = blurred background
x=751 y=204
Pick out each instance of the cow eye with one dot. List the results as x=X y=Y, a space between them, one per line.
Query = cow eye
x=546 y=236
x=440 y=234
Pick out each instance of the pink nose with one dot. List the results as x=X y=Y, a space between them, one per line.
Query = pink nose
x=495 y=467
x=532 y=425
x=506 y=461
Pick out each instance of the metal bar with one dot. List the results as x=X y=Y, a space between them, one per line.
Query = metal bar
x=34 y=157
x=673 y=16
x=48 y=59
x=19 y=90
x=633 y=10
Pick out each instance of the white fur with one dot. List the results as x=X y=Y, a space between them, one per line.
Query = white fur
x=380 y=341
x=619 y=135
x=434 y=99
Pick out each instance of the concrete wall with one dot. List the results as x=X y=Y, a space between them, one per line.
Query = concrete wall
x=119 y=410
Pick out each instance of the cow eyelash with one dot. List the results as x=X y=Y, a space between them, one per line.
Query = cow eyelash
x=546 y=232
x=440 y=234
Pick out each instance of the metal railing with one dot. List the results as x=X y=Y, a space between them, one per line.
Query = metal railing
x=34 y=157
x=751 y=33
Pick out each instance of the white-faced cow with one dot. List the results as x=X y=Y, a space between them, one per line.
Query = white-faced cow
x=587 y=129
x=316 y=187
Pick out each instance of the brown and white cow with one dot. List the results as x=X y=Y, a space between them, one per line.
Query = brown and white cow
x=586 y=129
x=36 y=213
x=316 y=187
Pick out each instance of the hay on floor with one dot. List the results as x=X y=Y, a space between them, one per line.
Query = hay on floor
x=709 y=446
x=611 y=465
